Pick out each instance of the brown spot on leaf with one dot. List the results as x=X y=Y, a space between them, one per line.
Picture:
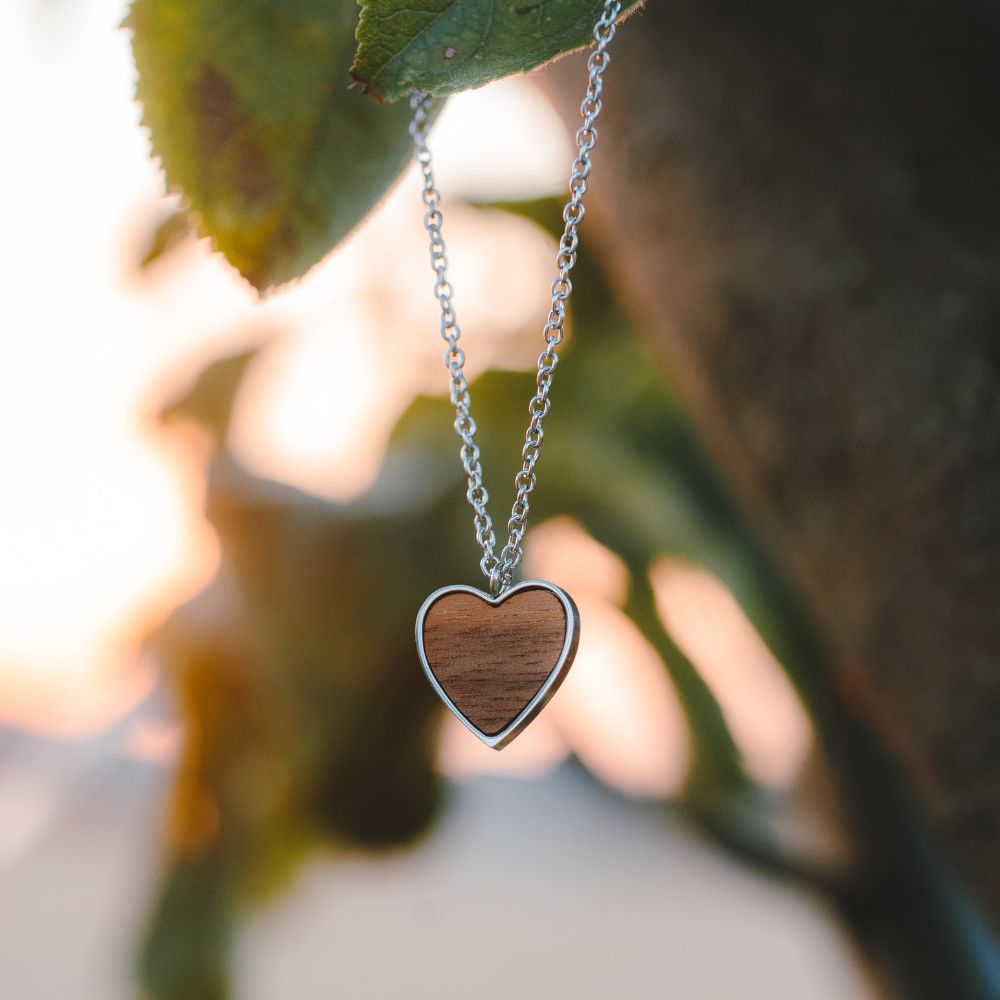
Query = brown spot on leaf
x=226 y=145
x=526 y=8
x=358 y=81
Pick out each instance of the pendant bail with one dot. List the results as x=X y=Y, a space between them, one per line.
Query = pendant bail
x=498 y=583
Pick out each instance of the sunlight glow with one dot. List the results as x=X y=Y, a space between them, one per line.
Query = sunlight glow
x=766 y=718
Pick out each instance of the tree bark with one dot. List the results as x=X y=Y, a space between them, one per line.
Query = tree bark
x=801 y=204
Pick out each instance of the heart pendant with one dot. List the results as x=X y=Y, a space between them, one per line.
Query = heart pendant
x=496 y=661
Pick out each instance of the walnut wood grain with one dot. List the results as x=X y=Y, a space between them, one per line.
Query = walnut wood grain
x=492 y=660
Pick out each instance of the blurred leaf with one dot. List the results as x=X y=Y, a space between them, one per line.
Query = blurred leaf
x=171 y=232
x=209 y=402
x=187 y=949
x=250 y=111
x=305 y=722
x=716 y=762
x=443 y=46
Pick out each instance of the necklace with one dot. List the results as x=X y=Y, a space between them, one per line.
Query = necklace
x=495 y=659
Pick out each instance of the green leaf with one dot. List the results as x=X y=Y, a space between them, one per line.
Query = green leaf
x=251 y=113
x=442 y=46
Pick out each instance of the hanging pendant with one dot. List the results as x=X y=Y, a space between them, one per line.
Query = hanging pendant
x=496 y=661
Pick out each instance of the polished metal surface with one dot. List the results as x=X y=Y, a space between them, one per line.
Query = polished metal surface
x=549 y=686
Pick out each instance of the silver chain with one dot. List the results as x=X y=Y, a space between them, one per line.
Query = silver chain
x=500 y=569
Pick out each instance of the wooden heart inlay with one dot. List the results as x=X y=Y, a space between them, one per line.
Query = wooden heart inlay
x=495 y=662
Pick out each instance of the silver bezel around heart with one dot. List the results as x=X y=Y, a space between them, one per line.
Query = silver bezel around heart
x=549 y=686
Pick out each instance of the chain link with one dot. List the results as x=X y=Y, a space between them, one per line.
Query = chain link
x=500 y=569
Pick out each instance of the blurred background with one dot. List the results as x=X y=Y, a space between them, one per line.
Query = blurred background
x=204 y=490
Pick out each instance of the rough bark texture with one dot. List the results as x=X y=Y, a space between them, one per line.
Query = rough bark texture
x=802 y=203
